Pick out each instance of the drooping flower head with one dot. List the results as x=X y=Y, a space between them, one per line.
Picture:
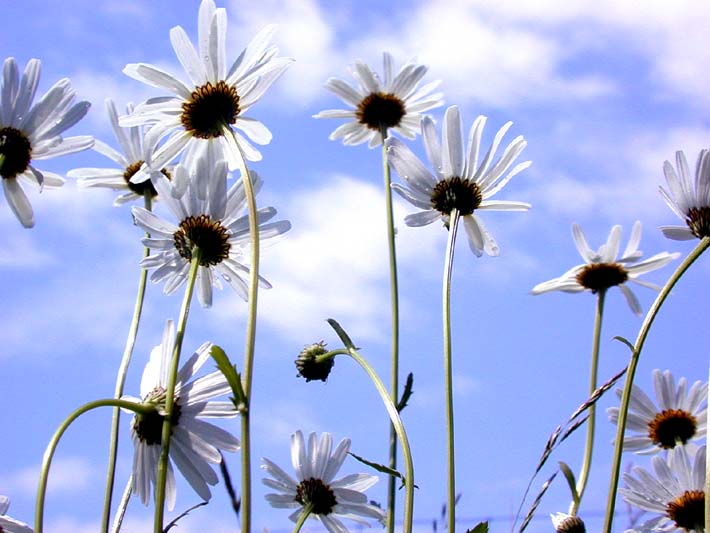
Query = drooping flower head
x=690 y=202
x=194 y=443
x=603 y=268
x=211 y=107
x=393 y=103
x=310 y=364
x=565 y=523
x=210 y=221
x=8 y=524
x=676 y=493
x=30 y=133
x=135 y=153
x=459 y=180
x=315 y=487
x=678 y=419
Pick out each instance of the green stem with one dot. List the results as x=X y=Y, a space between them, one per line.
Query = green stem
x=170 y=394
x=589 y=446
x=122 y=506
x=449 y=386
x=247 y=373
x=54 y=441
x=626 y=395
x=401 y=434
x=120 y=381
x=305 y=513
x=394 y=298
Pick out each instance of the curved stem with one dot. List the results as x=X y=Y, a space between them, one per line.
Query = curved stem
x=247 y=373
x=394 y=298
x=120 y=381
x=448 y=372
x=589 y=446
x=626 y=395
x=122 y=506
x=170 y=394
x=401 y=434
x=303 y=517
x=54 y=441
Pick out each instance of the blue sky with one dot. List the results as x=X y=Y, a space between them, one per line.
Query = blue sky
x=603 y=92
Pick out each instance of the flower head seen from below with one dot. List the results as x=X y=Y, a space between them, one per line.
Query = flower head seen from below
x=679 y=418
x=393 y=103
x=315 y=489
x=30 y=133
x=676 y=493
x=8 y=524
x=211 y=107
x=209 y=222
x=458 y=181
x=135 y=153
x=565 y=523
x=690 y=203
x=310 y=366
x=603 y=268
x=194 y=443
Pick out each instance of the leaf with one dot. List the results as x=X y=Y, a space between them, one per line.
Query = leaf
x=380 y=467
x=234 y=499
x=406 y=393
x=569 y=476
x=482 y=527
x=174 y=522
x=231 y=375
x=341 y=333
x=625 y=341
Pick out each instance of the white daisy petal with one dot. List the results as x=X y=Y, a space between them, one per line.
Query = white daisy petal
x=603 y=269
x=315 y=468
x=689 y=199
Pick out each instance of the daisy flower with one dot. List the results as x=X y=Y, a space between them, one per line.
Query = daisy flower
x=676 y=493
x=565 y=523
x=194 y=443
x=315 y=489
x=209 y=108
x=135 y=153
x=458 y=182
x=209 y=218
x=396 y=103
x=691 y=206
x=602 y=270
x=679 y=418
x=29 y=133
x=10 y=525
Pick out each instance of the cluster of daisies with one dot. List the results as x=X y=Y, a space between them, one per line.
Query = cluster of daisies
x=181 y=148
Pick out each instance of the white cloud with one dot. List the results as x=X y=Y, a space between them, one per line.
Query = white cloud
x=68 y=474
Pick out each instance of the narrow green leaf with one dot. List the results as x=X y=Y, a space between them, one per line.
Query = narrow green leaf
x=406 y=393
x=341 y=333
x=380 y=468
x=482 y=527
x=229 y=371
x=569 y=476
x=625 y=341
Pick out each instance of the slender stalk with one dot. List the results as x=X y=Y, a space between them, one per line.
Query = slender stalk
x=630 y=373
x=305 y=513
x=401 y=434
x=54 y=441
x=122 y=506
x=394 y=298
x=120 y=382
x=589 y=446
x=448 y=372
x=170 y=394
x=247 y=373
